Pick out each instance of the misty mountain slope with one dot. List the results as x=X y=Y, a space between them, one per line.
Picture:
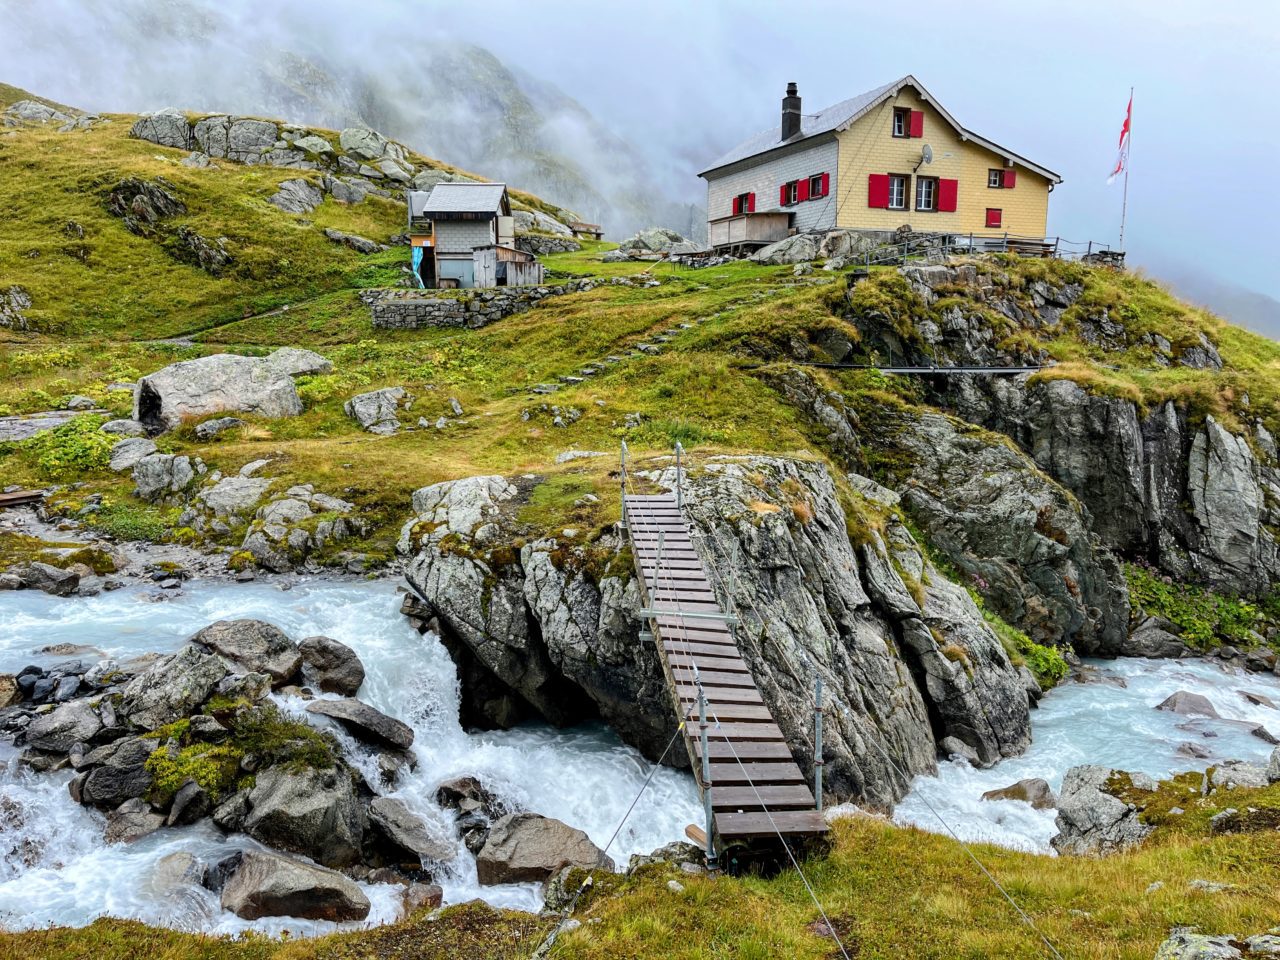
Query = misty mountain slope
x=77 y=256
x=443 y=97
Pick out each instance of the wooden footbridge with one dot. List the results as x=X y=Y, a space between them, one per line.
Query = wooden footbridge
x=754 y=796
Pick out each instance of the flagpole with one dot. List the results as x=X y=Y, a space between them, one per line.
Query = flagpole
x=1128 y=151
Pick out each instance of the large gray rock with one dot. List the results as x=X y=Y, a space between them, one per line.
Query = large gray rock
x=1226 y=501
x=1188 y=705
x=365 y=722
x=171 y=688
x=254 y=645
x=331 y=665
x=234 y=496
x=527 y=220
x=297 y=196
x=377 y=411
x=1189 y=945
x=225 y=382
x=126 y=454
x=264 y=884
x=1034 y=791
x=1091 y=820
x=123 y=774
x=365 y=144
x=1273 y=767
x=525 y=847
x=52 y=580
x=131 y=821
x=311 y=812
x=658 y=240
x=57 y=731
x=160 y=475
x=407 y=832
x=168 y=128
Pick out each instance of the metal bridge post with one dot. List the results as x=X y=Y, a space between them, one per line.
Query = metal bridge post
x=817 y=741
x=657 y=568
x=623 y=523
x=706 y=776
x=679 y=476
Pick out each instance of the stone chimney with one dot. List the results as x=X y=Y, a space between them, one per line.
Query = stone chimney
x=790 y=112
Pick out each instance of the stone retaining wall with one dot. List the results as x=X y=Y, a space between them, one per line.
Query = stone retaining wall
x=410 y=309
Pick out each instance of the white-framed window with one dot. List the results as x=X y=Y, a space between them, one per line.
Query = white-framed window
x=926 y=193
x=897 y=192
x=815 y=186
x=791 y=192
x=901 y=122
x=995 y=178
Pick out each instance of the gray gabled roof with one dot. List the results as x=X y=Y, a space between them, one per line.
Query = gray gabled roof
x=842 y=115
x=446 y=198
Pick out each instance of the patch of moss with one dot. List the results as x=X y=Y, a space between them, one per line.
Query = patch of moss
x=1205 y=619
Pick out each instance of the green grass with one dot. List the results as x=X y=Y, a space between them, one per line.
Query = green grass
x=1206 y=619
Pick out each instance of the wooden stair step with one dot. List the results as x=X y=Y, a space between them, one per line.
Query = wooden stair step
x=736 y=799
x=786 y=822
x=744 y=750
x=713 y=678
x=719 y=696
x=731 y=773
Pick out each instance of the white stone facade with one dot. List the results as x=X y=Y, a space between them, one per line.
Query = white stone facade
x=763 y=176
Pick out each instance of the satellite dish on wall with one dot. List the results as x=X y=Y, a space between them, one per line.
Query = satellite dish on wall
x=926 y=154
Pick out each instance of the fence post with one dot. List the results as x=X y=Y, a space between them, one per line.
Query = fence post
x=706 y=775
x=817 y=741
x=679 y=476
x=1089 y=252
x=623 y=523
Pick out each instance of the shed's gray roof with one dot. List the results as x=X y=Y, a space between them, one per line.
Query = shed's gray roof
x=841 y=115
x=460 y=198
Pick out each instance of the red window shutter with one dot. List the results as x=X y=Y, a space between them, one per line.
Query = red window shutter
x=947 y=190
x=994 y=217
x=782 y=195
x=917 y=123
x=1009 y=179
x=802 y=190
x=737 y=206
x=751 y=203
x=826 y=184
x=878 y=190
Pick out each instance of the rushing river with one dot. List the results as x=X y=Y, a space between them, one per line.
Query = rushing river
x=1112 y=722
x=56 y=869
x=62 y=872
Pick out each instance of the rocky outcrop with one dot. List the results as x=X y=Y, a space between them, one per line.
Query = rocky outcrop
x=159 y=476
x=1190 y=497
x=654 y=243
x=224 y=382
x=171 y=688
x=1021 y=539
x=408 y=833
x=365 y=722
x=1091 y=819
x=1188 y=944
x=262 y=884
x=525 y=847
x=839 y=245
x=553 y=628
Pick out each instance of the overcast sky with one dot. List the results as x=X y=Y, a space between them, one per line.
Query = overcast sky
x=687 y=79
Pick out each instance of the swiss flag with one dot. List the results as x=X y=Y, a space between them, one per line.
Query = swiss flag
x=1122 y=156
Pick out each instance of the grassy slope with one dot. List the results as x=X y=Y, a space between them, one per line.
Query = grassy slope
x=890 y=892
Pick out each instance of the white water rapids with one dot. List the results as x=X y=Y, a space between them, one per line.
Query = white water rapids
x=56 y=869
x=62 y=872
x=1104 y=723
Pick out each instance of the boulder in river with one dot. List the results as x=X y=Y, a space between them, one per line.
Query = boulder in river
x=332 y=665
x=171 y=688
x=1188 y=704
x=1034 y=791
x=1090 y=819
x=262 y=884
x=58 y=730
x=311 y=812
x=122 y=774
x=132 y=820
x=527 y=846
x=255 y=645
x=52 y=580
x=224 y=383
x=407 y=832
x=364 y=722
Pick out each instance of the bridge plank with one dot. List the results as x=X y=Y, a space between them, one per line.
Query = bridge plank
x=745 y=750
x=731 y=773
x=746 y=825
x=739 y=799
